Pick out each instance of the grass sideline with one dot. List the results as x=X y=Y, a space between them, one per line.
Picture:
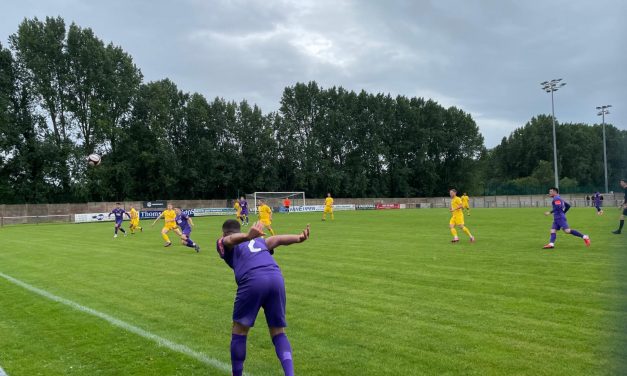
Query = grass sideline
x=372 y=293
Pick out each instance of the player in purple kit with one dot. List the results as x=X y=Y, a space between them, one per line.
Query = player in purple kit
x=118 y=212
x=259 y=284
x=244 y=214
x=560 y=207
x=185 y=224
x=597 y=203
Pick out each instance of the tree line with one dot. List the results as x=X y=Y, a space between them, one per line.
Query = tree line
x=64 y=94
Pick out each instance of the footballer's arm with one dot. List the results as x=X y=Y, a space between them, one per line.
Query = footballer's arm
x=278 y=240
x=232 y=240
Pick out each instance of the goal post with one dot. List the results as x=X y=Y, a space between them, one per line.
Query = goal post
x=275 y=199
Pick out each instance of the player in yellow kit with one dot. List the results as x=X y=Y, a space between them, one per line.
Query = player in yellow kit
x=465 y=204
x=265 y=216
x=238 y=211
x=169 y=215
x=457 y=217
x=135 y=221
x=328 y=207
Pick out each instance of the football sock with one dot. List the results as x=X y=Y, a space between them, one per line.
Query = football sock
x=284 y=353
x=271 y=231
x=190 y=243
x=553 y=237
x=454 y=232
x=165 y=237
x=116 y=230
x=324 y=216
x=238 y=354
x=132 y=229
x=576 y=233
x=467 y=231
x=332 y=217
x=620 y=227
x=121 y=229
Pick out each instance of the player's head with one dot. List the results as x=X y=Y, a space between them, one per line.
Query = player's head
x=118 y=204
x=177 y=210
x=452 y=192
x=260 y=202
x=169 y=206
x=230 y=226
x=242 y=198
x=329 y=194
x=623 y=183
x=465 y=194
x=553 y=191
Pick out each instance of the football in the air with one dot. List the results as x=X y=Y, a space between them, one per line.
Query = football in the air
x=93 y=159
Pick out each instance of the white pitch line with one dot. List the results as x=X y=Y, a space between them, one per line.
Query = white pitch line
x=2 y=373
x=124 y=325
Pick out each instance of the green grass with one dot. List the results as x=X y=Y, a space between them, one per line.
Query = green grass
x=372 y=293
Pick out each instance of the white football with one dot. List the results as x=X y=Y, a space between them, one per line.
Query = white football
x=93 y=159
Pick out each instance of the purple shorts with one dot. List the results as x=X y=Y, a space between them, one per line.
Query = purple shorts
x=560 y=224
x=118 y=223
x=187 y=231
x=244 y=212
x=259 y=290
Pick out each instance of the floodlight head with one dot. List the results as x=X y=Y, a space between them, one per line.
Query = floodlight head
x=600 y=113
x=544 y=83
x=608 y=106
x=598 y=108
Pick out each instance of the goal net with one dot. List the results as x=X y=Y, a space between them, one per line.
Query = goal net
x=275 y=199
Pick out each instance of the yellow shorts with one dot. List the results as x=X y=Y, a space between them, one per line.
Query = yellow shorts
x=466 y=206
x=328 y=209
x=170 y=226
x=134 y=222
x=457 y=220
x=266 y=222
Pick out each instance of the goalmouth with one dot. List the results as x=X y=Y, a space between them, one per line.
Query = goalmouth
x=275 y=199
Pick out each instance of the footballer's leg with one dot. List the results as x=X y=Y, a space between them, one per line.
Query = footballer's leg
x=166 y=238
x=453 y=231
x=238 y=348
x=274 y=309
x=586 y=238
x=467 y=232
x=621 y=222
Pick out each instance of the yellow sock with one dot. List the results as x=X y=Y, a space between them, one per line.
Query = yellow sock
x=332 y=217
x=132 y=230
x=271 y=231
x=454 y=232
x=165 y=237
x=467 y=231
x=324 y=216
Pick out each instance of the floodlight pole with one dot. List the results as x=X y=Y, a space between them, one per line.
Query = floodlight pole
x=551 y=87
x=603 y=110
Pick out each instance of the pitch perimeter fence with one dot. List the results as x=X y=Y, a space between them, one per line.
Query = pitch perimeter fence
x=65 y=213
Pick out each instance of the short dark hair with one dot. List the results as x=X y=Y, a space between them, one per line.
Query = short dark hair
x=231 y=226
x=117 y=203
x=453 y=189
x=555 y=189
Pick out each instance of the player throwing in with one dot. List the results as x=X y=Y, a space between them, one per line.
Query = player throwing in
x=244 y=214
x=134 y=225
x=328 y=207
x=185 y=224
x=465 y=205
x=169 y=215
x=621 y=223
x=259 y=284
x=118 y=212
x=560 y=207
x=457 y=217
x=265 y=216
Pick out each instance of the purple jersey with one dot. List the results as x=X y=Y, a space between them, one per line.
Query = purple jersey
x=118 y=213
x=247 y=258
x=244 y=205
x=559 y=208
x=182 y=220
x=597 y=199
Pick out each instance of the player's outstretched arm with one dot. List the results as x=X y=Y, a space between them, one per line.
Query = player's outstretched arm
x=278 y=240
x=255 y=231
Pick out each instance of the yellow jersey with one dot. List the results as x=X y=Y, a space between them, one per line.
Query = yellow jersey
x=328 y=201
x=465 y=200
x=455 y=204
x=237 y=207
x=134 y=214
x=264 y=212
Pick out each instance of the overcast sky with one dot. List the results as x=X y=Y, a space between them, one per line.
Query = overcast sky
x=485 y=57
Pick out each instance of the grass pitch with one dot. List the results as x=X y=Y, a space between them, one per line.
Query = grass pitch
x=371 y=293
